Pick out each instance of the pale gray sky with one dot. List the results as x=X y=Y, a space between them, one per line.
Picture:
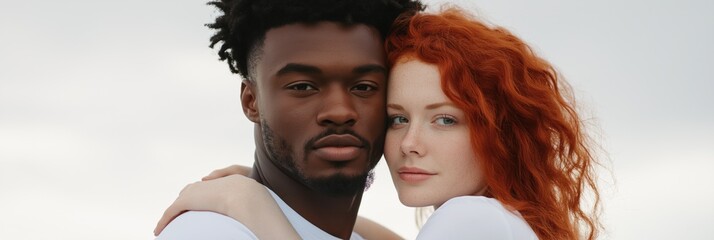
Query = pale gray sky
x=107 y=109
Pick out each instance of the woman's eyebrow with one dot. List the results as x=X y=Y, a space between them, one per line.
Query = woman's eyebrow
x=395 y=106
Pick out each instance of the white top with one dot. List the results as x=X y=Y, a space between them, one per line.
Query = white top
x=198 y=225
x=475 y=217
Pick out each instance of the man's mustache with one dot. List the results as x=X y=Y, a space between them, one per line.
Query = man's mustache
x=331 y=131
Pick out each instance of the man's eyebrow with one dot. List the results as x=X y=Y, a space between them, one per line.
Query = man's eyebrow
x=370 y=68
x=299 y=68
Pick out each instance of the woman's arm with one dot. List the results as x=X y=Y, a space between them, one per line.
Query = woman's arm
x=366 y=228
x=238 y=197
x=193 y=197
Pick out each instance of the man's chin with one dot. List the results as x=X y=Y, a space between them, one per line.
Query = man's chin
x=338 y=184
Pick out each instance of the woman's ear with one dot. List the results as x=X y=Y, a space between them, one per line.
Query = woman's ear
x=249 y=101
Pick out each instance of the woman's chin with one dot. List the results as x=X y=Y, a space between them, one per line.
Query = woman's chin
x=414 y=202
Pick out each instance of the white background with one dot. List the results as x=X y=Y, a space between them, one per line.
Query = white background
x=108 y=108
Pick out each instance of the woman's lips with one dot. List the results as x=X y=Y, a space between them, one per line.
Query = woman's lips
x=414 y=175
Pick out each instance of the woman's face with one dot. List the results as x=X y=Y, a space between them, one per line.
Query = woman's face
x=427 y=148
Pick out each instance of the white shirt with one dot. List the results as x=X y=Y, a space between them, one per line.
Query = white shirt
x=475 y=217
x=198 y=225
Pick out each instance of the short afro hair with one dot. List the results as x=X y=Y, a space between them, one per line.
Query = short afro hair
x=243 y=23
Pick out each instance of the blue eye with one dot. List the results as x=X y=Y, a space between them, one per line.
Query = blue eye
x=398 y=120
x=445 y=120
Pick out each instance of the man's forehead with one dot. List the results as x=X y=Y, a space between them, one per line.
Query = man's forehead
x=323 y=35
x=321 y=43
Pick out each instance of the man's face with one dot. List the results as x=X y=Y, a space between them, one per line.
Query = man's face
x=321 y=102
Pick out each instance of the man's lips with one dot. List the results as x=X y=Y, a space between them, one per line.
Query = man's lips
x=342 y=147
x=338 y=140
x=413 y=174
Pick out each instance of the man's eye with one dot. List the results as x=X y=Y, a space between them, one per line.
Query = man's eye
x=302 y=87
x=364 y=88
x=445 y=120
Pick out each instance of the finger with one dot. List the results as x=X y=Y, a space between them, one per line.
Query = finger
x=176 y=208
x=242 y=170
x=211 y=176
x=216 y=174
x=169 y=215
x=219 y=173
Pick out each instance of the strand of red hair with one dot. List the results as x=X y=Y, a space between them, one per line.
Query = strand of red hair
x=524 y=128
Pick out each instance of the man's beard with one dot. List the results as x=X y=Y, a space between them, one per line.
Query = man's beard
x=279 y=151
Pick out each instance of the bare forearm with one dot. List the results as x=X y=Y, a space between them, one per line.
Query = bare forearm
x=261 y=214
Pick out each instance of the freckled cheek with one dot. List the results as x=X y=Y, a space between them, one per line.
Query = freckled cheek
x=392 y=154
x=464 y=162
x=449 y=147
x=392 y=143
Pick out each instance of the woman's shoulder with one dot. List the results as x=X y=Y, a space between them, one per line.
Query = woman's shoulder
x=477 y=202
x=475 y=216
x=475 y=208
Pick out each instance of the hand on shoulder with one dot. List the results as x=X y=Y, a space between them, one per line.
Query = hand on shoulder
x=217 y=195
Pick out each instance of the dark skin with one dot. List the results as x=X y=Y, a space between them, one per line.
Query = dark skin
x=321 y=89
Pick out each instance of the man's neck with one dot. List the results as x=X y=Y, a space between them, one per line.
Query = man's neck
x=334 y=215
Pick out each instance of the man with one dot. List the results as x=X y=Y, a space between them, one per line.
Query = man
x=314 y=84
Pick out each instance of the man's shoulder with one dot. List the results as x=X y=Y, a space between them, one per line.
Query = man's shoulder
x=205 y=225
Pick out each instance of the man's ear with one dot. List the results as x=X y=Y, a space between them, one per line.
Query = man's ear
x=249 y=101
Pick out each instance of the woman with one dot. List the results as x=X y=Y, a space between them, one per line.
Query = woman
x=480 y=128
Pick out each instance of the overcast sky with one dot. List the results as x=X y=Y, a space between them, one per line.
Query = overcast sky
x=108 y=108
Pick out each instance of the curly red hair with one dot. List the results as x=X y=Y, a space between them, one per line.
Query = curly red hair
x=523 y=125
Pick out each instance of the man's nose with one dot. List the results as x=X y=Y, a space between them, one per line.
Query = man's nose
x=338 y=108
